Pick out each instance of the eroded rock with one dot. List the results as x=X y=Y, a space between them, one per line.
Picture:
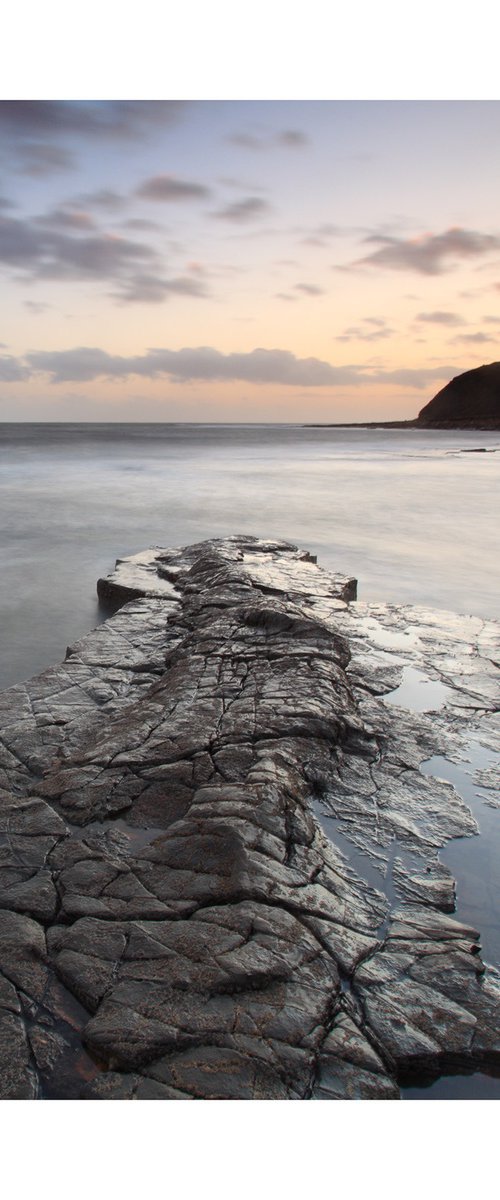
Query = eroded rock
x=176 y=924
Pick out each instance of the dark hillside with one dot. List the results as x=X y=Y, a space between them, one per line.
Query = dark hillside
x=471 y=400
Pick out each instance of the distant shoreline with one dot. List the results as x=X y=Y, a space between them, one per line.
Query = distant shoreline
x=485 y=426
x=361 y=425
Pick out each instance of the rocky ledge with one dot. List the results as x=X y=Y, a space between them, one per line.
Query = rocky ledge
x=175 y=923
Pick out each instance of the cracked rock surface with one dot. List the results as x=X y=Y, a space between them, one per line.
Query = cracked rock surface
x=174 y=921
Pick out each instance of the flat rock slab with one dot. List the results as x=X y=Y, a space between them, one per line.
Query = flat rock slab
x=174 y=921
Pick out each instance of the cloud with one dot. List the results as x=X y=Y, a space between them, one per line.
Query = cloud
x=309 y=289
x=38 y=159
x=186 y=285
x=440 y=318
x=153 y=289
x=102 y=256
x=319 y=235
x=106 y=119
x=83 y=363
x=474 y=338
x=36 y=306
x=430 y=254
x=167 y=188
x=141 y=288
x=204 y=363
x=247 y=140
x=292 y=138
x=67 y=218
x=12 y=369
x=143 y=224
x=377 y=330
x=39 y=137
x=63 y=246
x=492 y=320
x=54 y=255
x=243 y=210
x=20 y=243
x=105 y=198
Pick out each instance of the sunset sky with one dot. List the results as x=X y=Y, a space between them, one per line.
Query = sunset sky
x=244 y=260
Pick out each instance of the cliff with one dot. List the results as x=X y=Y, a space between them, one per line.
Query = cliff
x=470 y=401
x=174 y=921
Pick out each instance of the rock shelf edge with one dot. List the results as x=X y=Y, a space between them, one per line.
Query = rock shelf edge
x=174 y=921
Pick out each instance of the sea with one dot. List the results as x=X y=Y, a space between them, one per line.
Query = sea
x=413 y=514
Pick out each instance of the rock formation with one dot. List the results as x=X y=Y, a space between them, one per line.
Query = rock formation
x=174 y=921
x=470 y=401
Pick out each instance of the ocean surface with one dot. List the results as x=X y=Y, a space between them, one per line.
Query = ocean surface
x=413 y=514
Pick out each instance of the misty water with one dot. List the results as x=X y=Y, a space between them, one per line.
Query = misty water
x=413 y=514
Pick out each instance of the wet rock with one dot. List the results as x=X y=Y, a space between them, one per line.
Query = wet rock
x=175 y=923
x=431 y=884
x=17 y=1079
x=349 y=1068
x=422 y=993
x=23 y=953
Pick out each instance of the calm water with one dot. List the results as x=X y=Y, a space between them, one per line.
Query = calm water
x=407 y=512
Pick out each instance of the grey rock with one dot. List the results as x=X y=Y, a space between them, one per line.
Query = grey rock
x=18 y=1081
x=349 y=1068
x=175 y=923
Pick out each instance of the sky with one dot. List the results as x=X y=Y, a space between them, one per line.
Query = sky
x=301 y=260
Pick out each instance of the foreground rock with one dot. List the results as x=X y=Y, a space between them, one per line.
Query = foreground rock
x=174 y=922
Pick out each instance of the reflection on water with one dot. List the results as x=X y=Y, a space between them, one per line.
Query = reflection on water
x=457 y=1087
x=389 y=639
x=414 y=522
x=418 y=693
x=474 y=862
